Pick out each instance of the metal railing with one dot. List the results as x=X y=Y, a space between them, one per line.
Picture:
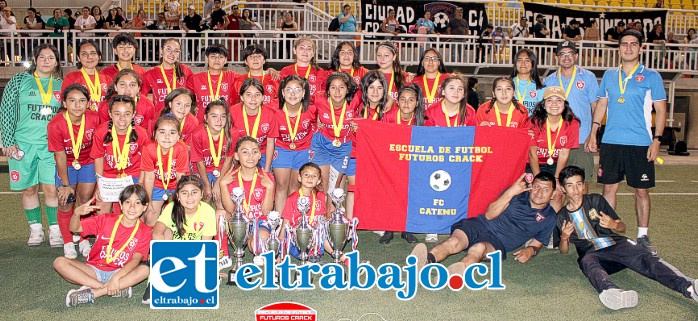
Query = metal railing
x=457 y=51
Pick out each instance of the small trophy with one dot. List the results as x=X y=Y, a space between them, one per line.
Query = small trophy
x=303 y=232
x=274 y=220
x=338 y=229
x=238 y=232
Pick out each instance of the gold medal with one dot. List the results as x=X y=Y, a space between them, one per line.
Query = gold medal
x=336 y=143
x=551 y=161
x=623 y=83
x=121 y=175
x=76 y=165
x=621 y=100
x=216 y=173
x=292 y=146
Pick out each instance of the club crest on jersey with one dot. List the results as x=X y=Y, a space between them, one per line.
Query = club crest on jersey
x=57 y=95
x=311 y=78
x=563 y=140
x=258 y=194
x=224 y=86
x=639 y=78
x=540 y=217
x=533 y=94
x=270 y=89
x=14 y=176
x=580 y=85
x=306 y=123
x=138 y=119
x=265 y=127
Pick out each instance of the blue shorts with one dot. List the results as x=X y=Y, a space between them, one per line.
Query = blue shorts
x=263 y=161
x=103 y=276
x=351 y=167
x=211 y=179
x=478 y=233
x=296 y=253
x=159 y=192
x=292 y=159
x=86 y=174
x=327 y=154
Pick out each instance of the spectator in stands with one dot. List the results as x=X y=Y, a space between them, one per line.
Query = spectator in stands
x=68 y=14
x=592 y=35
x=390 y=24
x=234 y=21
x=473 y=97
x=32 y=21
x=572 y=31
x=7 y=21
x=347 y=22
x=287 y=25
x=172 y=14
x=425 y=23
x=483 y=41
x=120 y=12
x=138 y=21
x=613 y=34
x=690 y=36
x=640 y=28
x=657 y=35
x=57 y=24
x=114 y=21
x=208 y=8
x=3 y=4
x=659 y=4
x=540 y=31
x=219 y=20
x=99 y=17
x=457 y=26
x=247 y=23
x=159 y=24
x=499 y=44
x=86 y=22
x=191 y=24
x=519 y=30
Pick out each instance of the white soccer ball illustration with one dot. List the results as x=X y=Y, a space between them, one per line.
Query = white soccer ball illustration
x=441 y=20
x=440 y=180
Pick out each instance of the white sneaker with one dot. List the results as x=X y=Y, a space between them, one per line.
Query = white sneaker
x=431 y=238
x=69 y=251
x=224 y=263
x=379 y=232
x=616 y=299
x=36 y=234
x=54 y=236
x=85 y=248
x=76 y=238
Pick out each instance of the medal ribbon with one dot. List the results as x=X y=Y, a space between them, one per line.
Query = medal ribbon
x=215 y=152
x=249 y=75
x=448 y=119
x=210 y=87
x=45 y=95
x=94 y=88
x=366 y=113
x=247 y=200
x=165 y=182
x=312 y=205
x=292 y=131
x=110 y=258
x=181 y=125
x=399 y=118
x=121 y=153
x=392 y=81
x=622 y=84
x=509 y=113
x=76 y=144
x=255 y=129
x=174 y=79
x=569 y=86
x=551 y=144
x=431 y=93
x=337 y=127
x=307 y=72
x=521 y=97
x=197 y=218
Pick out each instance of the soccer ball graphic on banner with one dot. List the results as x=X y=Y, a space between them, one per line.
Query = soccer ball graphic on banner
x=440 y=180
x=441 y=20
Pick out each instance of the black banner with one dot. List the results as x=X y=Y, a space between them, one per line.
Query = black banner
x=556 y=18
x=373 y=12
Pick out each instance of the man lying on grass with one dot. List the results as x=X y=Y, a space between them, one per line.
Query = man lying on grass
x=121 y=243
x=520 y=214
x=591 y=224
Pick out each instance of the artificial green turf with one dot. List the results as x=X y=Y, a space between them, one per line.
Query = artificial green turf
x=550 y=287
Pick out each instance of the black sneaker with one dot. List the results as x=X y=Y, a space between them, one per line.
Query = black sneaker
x=146 y=295
x=409 y=237
x=644 y=241
x=386 y=238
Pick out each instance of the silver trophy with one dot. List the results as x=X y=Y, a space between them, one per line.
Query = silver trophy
x=337 y=228
x=274 y=220
x=238 y=232
x=303 y=232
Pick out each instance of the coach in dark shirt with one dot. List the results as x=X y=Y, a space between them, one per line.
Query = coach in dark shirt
x=613 y=33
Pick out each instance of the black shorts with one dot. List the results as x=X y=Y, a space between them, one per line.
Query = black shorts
x=618 y=162
x=478 y=233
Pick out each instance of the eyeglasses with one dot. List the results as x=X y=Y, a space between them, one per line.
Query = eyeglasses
x=293 y=90
x=47 y=58
x=431 y=59
x=566 y=54
x=172 y=50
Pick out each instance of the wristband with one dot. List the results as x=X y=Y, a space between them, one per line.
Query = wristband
x=657 y=137
x=597 y=123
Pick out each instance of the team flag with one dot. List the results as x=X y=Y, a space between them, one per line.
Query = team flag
x=423 y=179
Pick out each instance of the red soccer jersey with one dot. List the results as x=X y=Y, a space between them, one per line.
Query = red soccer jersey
x=253 y=200
x=431 y=83
x=392 y=117
x=76 y=77
x=393 y=90
x=316 y=77
x=102 y=226
x=435 y=116
x=293 y=216
x=519 y=116
x=189 y=125
x=198 y=84
x=180 y=163
x=153 y=81
x=112 y=70
x=306 y=128
x=567 y=137
x=271 y=88
x=106 y=150
x=59 y=137
x=356 y=74
x=145 y=112
x=201 y=148
x=268 y=127
x=320 y=101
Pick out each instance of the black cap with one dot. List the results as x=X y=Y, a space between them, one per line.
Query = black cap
x=566 y=44
x=574 y=21
x=489 y=26
x=540 y=16
x=621 y=24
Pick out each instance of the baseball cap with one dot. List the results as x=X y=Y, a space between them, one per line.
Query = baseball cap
x=498 y=29
x=554 y=91
x=7 y=9
x=191 y=7
x=566 y=44
x=574 y=21
x=621 y=24
x=112 y=7
x=539 y=16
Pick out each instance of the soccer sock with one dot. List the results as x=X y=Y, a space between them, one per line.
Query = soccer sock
x=223 y=239
x=64 y=225
x=33 y=215
x=431 y=258
x=642 y=231
x=51 y=215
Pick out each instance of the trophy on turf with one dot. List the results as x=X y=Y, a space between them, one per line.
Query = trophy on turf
x=274 y=220
x=303 y=232
x=238 y=232
x=337 y=227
